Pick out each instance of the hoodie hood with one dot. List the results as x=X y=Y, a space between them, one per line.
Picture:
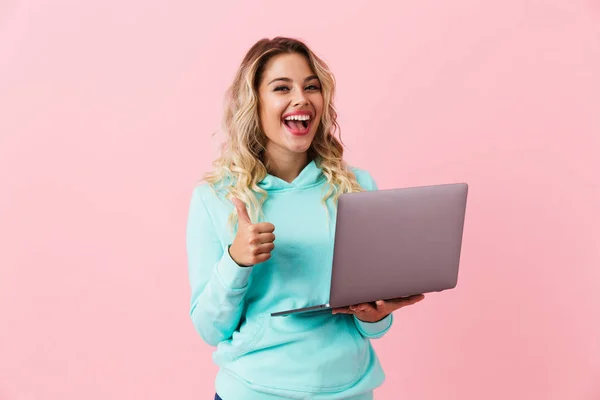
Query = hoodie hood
x=310 y=176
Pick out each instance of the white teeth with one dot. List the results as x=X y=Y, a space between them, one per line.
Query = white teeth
x=298 y=118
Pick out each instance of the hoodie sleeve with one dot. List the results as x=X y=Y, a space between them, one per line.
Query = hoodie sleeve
x=218 y=284
x=372 y=330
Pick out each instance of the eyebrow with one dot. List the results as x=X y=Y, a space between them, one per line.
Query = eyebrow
x=310 y=78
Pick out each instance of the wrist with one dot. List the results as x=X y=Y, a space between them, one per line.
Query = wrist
x=371 y=322
x=233 y=256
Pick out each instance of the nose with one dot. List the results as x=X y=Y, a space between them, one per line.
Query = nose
x=300 y=99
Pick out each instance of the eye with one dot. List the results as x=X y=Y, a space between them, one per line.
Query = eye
x=313 y=87
x=281 y=88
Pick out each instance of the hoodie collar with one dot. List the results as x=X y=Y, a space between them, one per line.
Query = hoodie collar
x=310 y=176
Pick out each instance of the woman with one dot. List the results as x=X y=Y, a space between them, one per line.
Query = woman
x=260 y=239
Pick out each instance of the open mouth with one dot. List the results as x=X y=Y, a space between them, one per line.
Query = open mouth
x=298 y=124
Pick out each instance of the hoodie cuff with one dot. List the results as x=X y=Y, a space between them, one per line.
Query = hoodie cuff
x=374 y=329
x=231 y=274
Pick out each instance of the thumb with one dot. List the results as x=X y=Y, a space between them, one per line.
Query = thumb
x=242 y=212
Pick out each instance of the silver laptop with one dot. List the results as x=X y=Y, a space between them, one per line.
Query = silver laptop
x=394 y=243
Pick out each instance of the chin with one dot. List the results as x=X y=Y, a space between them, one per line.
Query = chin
x=304 y=150
x=300 y=147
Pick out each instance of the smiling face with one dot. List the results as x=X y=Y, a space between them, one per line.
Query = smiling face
x=290 y=105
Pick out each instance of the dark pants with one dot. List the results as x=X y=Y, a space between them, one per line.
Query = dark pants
x=217 y=397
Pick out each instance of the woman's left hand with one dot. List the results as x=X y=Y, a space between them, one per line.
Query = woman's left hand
x=374 y=312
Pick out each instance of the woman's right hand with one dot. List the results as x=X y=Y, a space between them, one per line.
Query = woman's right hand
x=253 y=243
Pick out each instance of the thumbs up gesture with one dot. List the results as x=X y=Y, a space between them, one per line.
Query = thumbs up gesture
x=253 y=243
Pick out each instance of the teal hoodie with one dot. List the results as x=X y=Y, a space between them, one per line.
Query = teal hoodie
x=260 y=357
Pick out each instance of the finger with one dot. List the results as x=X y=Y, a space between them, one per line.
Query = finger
x=266 y=238
x=261 y=258
x=414 y=300
x=398 y=303
x=264 y=227
x=411 y=299
x=341 y=310
x=265 y=248
x=242 y=212
x=404 y=299
x=382 y=306
x=363 y=308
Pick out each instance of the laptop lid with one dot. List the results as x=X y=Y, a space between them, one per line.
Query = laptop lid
x=397 y=242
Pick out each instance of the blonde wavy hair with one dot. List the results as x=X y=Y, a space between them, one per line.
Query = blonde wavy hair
x=241 y=164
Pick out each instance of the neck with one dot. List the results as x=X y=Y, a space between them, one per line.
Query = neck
x=286 y=167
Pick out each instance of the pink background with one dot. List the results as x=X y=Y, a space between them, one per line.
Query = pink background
x=106 y=111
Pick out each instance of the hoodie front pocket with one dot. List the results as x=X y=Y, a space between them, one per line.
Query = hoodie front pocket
x=242 y=341
x=308 y=354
